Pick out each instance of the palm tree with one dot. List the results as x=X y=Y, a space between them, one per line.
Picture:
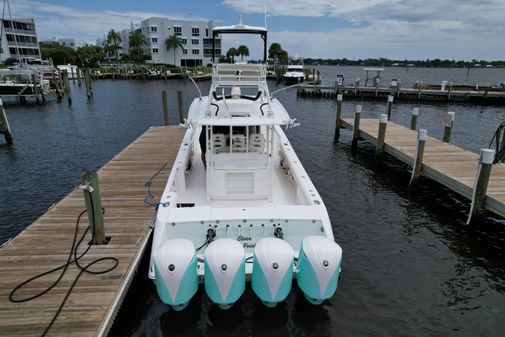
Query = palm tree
x=173 y=42
x=231 y=53
x=242 y=51
x=113 y=40
x=137 y=40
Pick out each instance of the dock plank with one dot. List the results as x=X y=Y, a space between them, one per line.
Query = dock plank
x=450 y=165
x=45 y=244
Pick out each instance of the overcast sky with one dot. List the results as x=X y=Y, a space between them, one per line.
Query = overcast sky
x=400 y=29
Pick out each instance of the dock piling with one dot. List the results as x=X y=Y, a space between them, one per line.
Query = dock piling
x=78 y=75
x=390 y=106
x=66 y=87
x=383 y=122
x=180 y=102
x=355 y=128
x=481 y=182
x=4 y=125
x=73 y=74
x=448 y=123
x=93 y=202
x=418 y=160
x=164 y=102
x=88 y=83
x=413 y=121
x=338 y=123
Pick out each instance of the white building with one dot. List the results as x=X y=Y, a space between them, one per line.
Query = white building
x=196 y=37
x=125 y=38
x=19 y=40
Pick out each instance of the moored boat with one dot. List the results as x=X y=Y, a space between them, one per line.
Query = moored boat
x=238 y=205
x=294 y=72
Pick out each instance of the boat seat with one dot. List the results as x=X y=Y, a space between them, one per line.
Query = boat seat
x=238 y=143
x=256 y=142
x=219 y=142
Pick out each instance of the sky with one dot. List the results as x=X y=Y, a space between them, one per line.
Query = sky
x=354 y=29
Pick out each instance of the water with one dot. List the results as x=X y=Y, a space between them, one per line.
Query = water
x=411 y=266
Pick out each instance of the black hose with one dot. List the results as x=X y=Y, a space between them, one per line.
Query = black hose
x=217 y=106
x=72 y=252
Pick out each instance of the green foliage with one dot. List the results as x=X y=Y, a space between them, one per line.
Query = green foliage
x=59 y=54
x=137 y=40
x=276 y=52
x=113 y=43
x=384 y=62
x=89 y=56
x=242 y=51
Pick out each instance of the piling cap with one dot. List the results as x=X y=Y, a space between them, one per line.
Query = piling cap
x=358 y=108
x=415 y=112
x=487 y=156
x=451 y=114
x=339 y=97
x=1 y=103
x=383 y=118
x=421 y=134
x=390 y=98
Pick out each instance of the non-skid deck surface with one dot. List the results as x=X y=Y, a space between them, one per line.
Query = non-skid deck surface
x=45 y=244
x=448 y=164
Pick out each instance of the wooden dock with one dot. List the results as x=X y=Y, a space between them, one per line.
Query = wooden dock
x=452 y=166
x=95 y=300
x=484 y=96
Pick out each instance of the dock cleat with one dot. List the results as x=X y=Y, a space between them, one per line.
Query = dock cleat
x=224 y=272
x=176 y=272
x=318 y=268
x=272 y=270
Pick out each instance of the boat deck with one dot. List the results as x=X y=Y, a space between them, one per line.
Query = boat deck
x=45 y=244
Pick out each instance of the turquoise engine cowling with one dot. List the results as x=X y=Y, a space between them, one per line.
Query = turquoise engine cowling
x=176 y=272
x=318 y=268
x=224 y=272
x=272 y=273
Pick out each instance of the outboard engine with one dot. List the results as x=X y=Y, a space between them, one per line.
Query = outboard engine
x=318 y=268
x=176 y=272
x=272 y=270
x=224 y=272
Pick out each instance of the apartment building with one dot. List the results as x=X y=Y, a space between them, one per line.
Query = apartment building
x=196 y=38
x=19 y=40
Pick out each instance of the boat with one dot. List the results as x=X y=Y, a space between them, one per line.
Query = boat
x=238 y=205
x=294 y=72
x=27 y=81
x=71 y=70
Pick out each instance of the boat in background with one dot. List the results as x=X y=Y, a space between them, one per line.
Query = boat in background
x=71 y=70
x=238 y=205
x=294 y=73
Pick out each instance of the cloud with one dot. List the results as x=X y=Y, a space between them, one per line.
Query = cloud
x=65 y=21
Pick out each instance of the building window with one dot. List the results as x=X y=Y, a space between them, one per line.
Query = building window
x=206 y=31
x=184 y=41
x=185 y=51
x=195 y=52
x=154 y=29
x=177 y=30
x=154 y=39
x=195 y=31
x=155 y=50
x=195 y=41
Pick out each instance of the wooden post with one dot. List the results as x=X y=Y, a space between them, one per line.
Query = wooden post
x=318 y=77
x=419 y=90
x=448 y=122
x=66 y=87
x=164 y=102
x=73 y=74
x=338 y=123
x=180 y=101
x=390 y=106
x=94 y=207
x=449 y=92
x=4 y=124
x=78 y=74
x=355 y=127
x=481 y=181
x=418 y=160
x=88 y=83
x=383 y=122
x=413 y=121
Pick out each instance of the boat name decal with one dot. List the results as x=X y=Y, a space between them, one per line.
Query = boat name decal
x=244 y=238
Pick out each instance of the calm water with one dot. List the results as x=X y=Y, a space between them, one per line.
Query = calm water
x=411 y=266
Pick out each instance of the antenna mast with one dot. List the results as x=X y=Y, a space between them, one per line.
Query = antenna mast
x=265 y=7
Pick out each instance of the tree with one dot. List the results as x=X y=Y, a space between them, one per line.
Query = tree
x=113 y=41
x=59 y=54
x=230 y=54
x=242 y=51
x=173 y=42
x=89 y=56
x=137 y=40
